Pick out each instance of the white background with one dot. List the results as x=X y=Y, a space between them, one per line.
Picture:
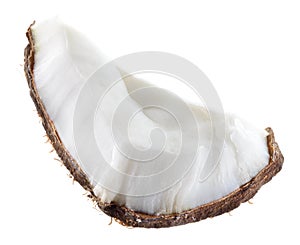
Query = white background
x=250 y=50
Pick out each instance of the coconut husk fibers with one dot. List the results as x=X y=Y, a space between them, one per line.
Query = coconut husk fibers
x=129 y=217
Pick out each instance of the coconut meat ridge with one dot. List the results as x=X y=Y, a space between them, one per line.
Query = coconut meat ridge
x=64 y=61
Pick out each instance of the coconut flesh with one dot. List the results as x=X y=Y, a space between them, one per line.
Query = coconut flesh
x=65 y=59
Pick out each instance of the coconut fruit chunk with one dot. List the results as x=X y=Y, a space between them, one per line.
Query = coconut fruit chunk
x=58 y=62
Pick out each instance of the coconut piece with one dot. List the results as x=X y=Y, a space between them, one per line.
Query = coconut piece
x=134 y=211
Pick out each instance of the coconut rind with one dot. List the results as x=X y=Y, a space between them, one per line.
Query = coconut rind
x=126 y=216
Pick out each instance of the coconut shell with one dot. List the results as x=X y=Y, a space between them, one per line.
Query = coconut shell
x=129 y=217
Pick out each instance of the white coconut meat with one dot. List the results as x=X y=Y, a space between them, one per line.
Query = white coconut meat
x=65 y=60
